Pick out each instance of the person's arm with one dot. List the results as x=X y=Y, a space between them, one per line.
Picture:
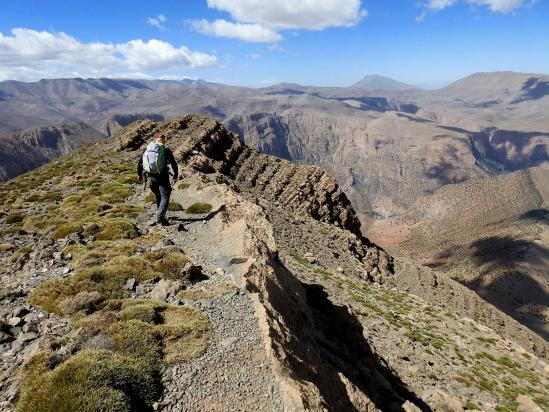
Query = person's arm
x=173 y=163
x=140 y=168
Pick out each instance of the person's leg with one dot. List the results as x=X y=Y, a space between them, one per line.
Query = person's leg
x=156 y=191
x=165 y=192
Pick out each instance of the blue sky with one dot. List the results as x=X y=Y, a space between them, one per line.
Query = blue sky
x=255 y=43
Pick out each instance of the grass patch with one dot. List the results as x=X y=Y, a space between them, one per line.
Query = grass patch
x=485 y=355
x=66 y=229
x=505 y=361
x=33 y=198
x=471 y=406
x=487 y=385
x=116 y=228
x=146 y=335
x=183 y=186
x=175 y=207
x=483 y=339
x=210 y=293
x=52 y=197
x=151 y=198
x=14 y=218
x=23 y=252
x=199 y=208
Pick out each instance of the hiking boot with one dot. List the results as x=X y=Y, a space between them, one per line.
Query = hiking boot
x=164 y=222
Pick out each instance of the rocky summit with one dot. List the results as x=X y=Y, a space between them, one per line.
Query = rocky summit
x=262 y=295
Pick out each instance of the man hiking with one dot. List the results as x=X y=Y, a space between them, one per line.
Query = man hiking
x=154 y=163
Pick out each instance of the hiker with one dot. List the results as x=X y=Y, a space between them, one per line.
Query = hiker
x=154 y=163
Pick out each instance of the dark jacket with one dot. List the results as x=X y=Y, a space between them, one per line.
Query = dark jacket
x=164 y=175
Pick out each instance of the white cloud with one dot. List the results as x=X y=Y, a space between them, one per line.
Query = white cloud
x=156 y=54
x=250 y=32
x=439 y=4
x=293 y=14
x=255 y=56
x=157 y=21
x=29 y=55
x=501 y=6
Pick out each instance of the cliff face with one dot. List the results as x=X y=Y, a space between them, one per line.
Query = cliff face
x=262 y=302
x=33 y=147
x=383 y=164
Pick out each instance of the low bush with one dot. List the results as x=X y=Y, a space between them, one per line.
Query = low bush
x=33 y=198
x=199 y=208
x=142 y=336
x=14 y=218
x=66 y=229
x=117 y=228
x=175 y=207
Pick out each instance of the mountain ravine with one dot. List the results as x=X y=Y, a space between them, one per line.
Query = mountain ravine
x=244 y=303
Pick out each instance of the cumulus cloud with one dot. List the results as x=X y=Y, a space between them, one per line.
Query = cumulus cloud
x=293 y=14
x=501 y=6
x=29 y=54
x=157 y=21
x=250 y=32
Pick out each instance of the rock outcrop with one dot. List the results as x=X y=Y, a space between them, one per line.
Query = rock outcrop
x=208 y=147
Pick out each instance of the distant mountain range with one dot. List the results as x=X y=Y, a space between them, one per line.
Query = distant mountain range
x=376 y=82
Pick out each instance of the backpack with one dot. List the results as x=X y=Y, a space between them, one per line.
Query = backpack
x=154 y=160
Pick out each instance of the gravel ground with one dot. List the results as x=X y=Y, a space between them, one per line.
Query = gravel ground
x=234 y=373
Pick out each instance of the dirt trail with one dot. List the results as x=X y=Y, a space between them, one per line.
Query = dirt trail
x=234 y=374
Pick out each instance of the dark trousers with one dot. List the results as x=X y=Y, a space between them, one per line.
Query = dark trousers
x=162 y=190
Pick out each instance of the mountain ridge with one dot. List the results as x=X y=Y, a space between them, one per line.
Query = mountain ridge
x=264 y=316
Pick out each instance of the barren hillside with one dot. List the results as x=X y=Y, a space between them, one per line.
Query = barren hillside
x=491 y=235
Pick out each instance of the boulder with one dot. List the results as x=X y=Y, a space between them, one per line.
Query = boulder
x=165 y=288
x=525 y=404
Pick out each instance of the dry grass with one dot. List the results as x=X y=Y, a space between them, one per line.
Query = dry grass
x=211 y=293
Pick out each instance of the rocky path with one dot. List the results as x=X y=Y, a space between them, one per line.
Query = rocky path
x=234 y=374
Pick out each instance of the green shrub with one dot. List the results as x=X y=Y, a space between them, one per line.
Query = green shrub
x=117 y=228
x=175 y=207
x=146 y=335
x=14 y=218
x=199 y=208
x=150 y=198
x=91 y=380
x=66 y=229
x=168 y=261
x=33 y=198
x=183 y=185
x=52 y=197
